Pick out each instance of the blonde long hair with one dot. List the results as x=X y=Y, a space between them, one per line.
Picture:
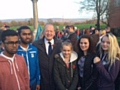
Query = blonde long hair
x=114 y=50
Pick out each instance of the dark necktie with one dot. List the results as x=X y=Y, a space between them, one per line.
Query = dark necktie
x=49 y=48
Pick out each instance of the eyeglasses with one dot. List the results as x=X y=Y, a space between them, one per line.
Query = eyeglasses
x=12 y=43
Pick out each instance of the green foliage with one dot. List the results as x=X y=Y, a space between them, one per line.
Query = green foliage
x=83 y=26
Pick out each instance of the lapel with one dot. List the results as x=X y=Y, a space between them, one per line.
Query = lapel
x=41 y=46
x=55 y=46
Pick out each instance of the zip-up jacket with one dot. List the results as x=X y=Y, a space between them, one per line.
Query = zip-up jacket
x=31 y=58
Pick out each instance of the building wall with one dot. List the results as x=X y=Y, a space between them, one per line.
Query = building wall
x=115 y=14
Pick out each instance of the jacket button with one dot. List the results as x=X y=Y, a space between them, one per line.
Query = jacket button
x=68 y=81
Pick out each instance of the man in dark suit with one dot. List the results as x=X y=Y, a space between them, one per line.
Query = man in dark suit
x=48 y=46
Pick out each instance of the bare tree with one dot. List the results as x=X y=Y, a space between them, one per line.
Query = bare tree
x=100 y=8
x=105 y=18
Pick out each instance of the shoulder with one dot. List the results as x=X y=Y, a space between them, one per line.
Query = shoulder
x=19 y=57
x=37 y=42
x=92 y=55
x=117 y=61
x=73 y=35
x=33 y=47
x=2 y=58
x=57 y=56
x=19 y=48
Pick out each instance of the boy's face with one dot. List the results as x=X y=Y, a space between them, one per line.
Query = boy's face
x=71 y=29
x=11 y=45
x=26 y=36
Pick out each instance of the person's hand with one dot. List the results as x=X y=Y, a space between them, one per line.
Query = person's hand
x=96 y=59
x=38 y=87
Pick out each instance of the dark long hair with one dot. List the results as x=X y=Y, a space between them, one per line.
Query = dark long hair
x=91 y=48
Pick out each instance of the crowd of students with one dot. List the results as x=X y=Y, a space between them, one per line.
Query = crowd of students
x=68 y=62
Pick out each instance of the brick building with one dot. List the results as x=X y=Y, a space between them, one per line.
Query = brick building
x=114 y=14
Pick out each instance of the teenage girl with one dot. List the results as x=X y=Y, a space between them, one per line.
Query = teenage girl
x=87 y=70
x=108 y=64
x=65 y=68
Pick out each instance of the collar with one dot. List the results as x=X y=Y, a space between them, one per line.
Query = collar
x=73 y=57
x=9 y=58
x=46 y=41
x=25 y=49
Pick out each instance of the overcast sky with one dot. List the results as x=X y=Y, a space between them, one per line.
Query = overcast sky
x=16 y=9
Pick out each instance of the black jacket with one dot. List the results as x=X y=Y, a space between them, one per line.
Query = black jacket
x=73 y=39
x=46 y=63
x=90 y=74
x=66 y=78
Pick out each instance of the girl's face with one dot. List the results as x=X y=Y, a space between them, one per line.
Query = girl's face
x=66 y=50
x=105 y=44
x=84 y=44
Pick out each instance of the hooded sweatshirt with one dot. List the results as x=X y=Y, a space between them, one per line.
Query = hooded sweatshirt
x=13 y=73
x=66 y=78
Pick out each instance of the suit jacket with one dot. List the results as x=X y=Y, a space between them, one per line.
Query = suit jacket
x=46 y=63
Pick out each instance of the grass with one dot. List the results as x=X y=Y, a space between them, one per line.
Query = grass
x=83 y=26
x=80 y=26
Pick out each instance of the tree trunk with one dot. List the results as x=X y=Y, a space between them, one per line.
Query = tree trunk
x=98 y=21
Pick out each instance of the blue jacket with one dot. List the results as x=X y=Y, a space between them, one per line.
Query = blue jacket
x=31 y=58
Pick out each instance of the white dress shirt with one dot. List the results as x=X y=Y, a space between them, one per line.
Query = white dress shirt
x=47 y=44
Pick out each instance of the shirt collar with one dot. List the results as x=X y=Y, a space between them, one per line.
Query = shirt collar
x=46 y=41
x=25 y=49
